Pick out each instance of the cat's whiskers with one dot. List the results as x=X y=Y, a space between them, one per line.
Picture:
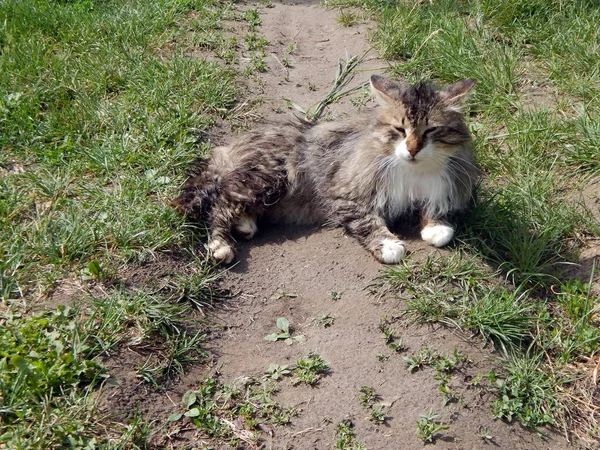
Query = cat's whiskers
x=464 y=173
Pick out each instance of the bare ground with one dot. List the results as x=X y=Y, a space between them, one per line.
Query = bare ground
x=311 y=264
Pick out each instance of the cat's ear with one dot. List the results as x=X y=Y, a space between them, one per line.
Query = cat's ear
x=386 y=92
x=457 y=92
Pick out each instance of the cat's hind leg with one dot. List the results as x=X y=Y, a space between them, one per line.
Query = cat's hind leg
x=221 y=243
x=221 y=250
x=244 y=194
x=245 y=226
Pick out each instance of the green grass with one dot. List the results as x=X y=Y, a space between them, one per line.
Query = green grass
x=104 y=104
x=102 y=132
x=51 y=365
x=101 y=113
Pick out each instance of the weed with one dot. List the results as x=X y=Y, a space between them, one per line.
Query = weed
x=335 y=295
x=284 y=333
x=213 y=407
x=325 y=320
x=281 y=293
x=277 y=372
x=391 y=340
x=368 y=399
x=505 y=317
x=253 y=18
x=484 y=434
x=425 y=357
x=377 y=416
x=255 y=41
x=447 y=364
x=527 y=394
x=292 y=48
x=310 y=369
x=348 y=18
x=449 y=395
x=369 y=396
x=44 y=353
x=428 y=426
x=346 y=436
x=382 y=357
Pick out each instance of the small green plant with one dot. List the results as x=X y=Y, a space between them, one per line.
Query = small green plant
x=377 y=416
x=255 y=42
x=447 y=364
x=444 y=367
x=281 y=293
x=425 y=357
x=449 y=395
x=428 y=426
x=369 y=396
x=257 y=63
x=214 y=406
x=292 y=48
x=284 y=334
x=368 y=399
x=346 y=436
x=253 y=18
x=382 y=357
x=484 y=434
x=528 y=394
x=392 y=341
x=335 y=295
x=277 y=372
x=310 y=369
x=348 y=18
x=326 y=320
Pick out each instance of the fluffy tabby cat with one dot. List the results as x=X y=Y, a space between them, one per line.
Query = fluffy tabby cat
x=413 y=153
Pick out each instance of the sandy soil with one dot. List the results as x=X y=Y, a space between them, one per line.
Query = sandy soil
x=311 y=264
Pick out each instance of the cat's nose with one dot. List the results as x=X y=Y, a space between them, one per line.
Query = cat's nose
x=414 y=144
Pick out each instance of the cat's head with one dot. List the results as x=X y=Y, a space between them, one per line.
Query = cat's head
x=421 y=124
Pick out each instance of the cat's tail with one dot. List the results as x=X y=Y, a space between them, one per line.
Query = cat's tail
x=199 y=193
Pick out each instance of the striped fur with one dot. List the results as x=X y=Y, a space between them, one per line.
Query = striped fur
x=363 y=173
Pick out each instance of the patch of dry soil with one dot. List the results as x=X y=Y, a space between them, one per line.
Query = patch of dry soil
x=311 y=264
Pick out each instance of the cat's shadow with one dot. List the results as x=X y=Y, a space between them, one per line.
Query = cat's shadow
x=271 y=235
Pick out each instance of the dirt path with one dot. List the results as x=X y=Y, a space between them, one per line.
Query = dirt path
x=311 y=264
x=323 y=271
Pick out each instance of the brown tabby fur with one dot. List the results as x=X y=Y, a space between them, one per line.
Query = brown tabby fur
x=414 y=153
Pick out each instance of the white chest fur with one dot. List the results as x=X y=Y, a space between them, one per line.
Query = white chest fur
x=417 y=184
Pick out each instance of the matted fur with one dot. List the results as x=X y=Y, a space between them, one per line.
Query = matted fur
x=363 y=173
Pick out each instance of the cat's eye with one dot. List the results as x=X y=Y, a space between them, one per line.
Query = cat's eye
x=400 y=130
x=429 y=131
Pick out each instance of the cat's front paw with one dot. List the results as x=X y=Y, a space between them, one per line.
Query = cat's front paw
x=438 y=234
x=221 y=251
x=392 y=251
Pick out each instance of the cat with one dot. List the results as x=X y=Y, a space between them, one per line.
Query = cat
x=413 y=153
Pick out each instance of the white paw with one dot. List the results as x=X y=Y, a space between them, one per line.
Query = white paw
x=392 y=251
x=246 y=226
x=221 y=251
x=437 y=235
